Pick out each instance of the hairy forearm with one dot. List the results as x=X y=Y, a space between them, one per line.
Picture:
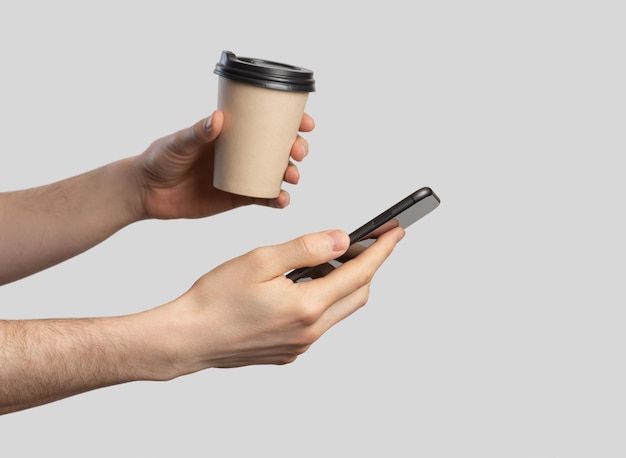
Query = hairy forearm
x=42 y=361
x=40 y=227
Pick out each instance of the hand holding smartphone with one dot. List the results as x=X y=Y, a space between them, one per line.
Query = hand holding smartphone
x=404 y=213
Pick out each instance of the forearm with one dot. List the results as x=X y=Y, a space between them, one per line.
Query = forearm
x=40 y=227
x=46 y=360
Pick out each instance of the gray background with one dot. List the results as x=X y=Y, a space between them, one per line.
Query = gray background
x=496 y=329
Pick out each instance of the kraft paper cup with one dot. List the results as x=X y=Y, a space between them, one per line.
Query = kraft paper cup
x=263 y=103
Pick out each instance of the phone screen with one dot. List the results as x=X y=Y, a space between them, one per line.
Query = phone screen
x=404 y=213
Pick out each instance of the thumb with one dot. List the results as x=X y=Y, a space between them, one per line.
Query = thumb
x=211 y=126
x=307 y=250
x=195 y=138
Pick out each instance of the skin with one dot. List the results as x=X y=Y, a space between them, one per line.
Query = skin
x=243 y=312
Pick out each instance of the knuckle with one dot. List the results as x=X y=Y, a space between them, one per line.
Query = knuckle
x=286 y=359
x=364 y=276
x=307 y=337
x=292 y=353
x=308 y=316
x=304 y=248
x=362 y=295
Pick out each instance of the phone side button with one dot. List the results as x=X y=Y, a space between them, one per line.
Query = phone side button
x=382 y=218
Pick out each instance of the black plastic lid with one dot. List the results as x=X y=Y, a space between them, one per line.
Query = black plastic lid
x=265 y=73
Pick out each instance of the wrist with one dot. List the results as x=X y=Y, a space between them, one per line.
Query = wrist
x=126 y=177
x=176 y=340
x=149 y=352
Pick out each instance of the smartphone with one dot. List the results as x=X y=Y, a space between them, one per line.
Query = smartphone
x=404 y=213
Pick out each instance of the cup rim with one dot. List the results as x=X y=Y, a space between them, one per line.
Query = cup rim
x=265 y=73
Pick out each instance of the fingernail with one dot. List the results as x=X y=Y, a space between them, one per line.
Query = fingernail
x=208 y=123
x=304 y=151
x=339 y=240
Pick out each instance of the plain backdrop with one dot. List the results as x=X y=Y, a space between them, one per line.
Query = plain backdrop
x=496 y=328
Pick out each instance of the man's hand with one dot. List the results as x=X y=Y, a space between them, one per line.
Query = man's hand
x=176 y=173
x=173 y=178
x=243 y=312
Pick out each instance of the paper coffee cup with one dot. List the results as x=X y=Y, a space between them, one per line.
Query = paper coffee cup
x=263 y=103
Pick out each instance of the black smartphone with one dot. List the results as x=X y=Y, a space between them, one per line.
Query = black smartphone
x=404 y=213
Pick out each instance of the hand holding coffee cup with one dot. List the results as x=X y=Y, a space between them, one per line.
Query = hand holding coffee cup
x=263 y=103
